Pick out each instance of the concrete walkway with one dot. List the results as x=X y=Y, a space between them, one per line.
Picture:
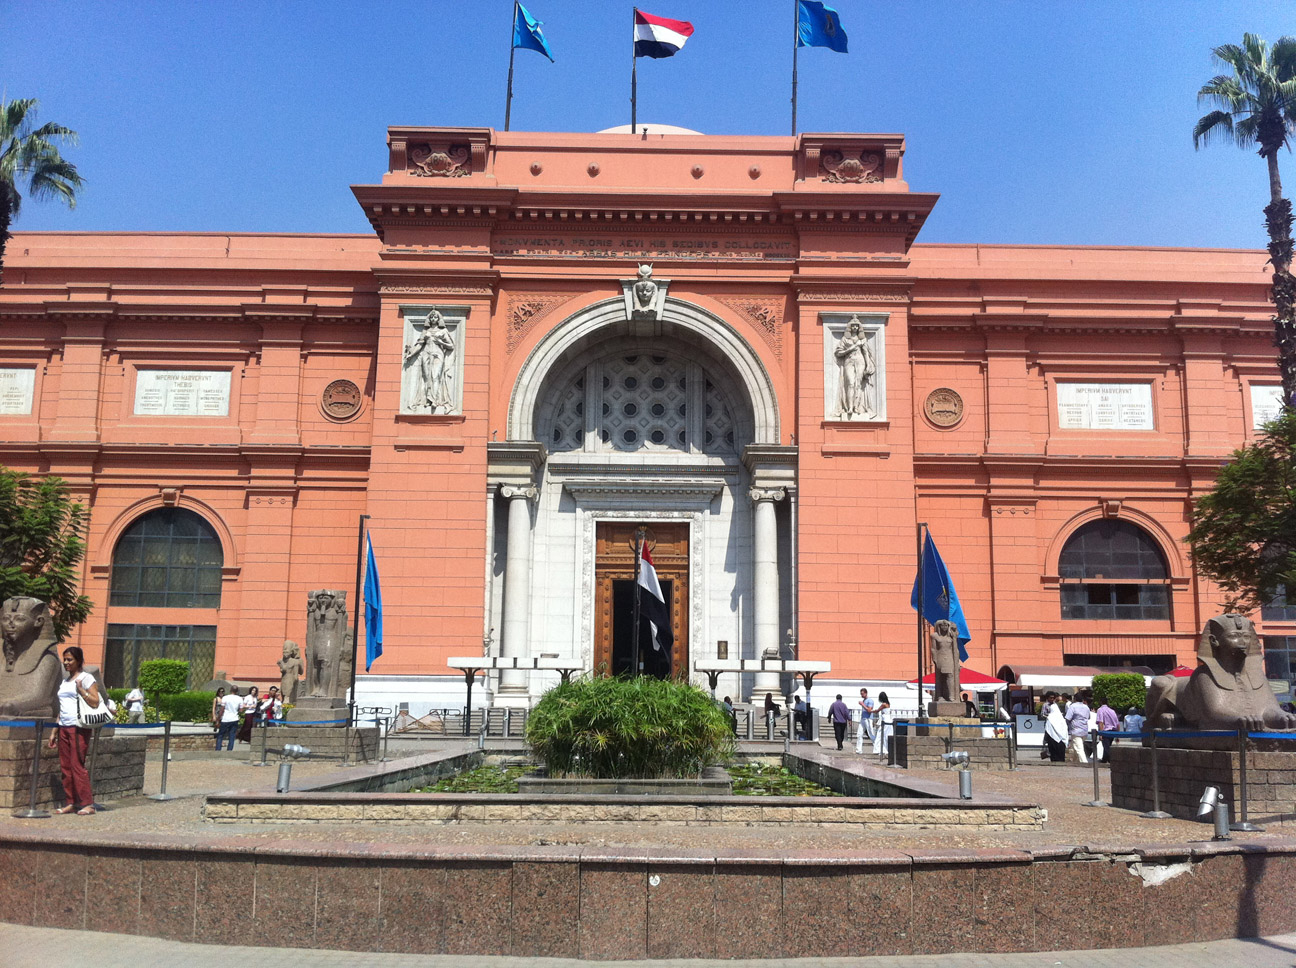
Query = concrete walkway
x=25 y=947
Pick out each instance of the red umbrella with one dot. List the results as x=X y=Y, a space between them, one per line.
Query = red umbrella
x=967 y=677
x=1181 y=672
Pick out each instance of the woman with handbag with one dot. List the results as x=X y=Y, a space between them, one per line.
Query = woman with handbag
x=78 y=693
x=251 y=708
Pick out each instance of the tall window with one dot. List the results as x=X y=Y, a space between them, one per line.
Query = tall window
x=1113 y=570
x=1280 y=662
x=1282 y=608
x=169 y=558
x=129 y=645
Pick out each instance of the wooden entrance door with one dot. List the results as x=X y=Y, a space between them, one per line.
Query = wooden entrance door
x=614 y=591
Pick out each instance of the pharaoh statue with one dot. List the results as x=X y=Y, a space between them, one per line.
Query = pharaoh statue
x=943 y=644
x=327 y=642
x=645 y=292
x=1227 y=690
x=290 y=671
x=430 y=357
x=31 y=674
x=855 y=371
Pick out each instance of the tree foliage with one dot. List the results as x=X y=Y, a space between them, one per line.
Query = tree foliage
x=1244 y=531
x=1120 y=690
x=30 y=155
x=42 y=542
x=163 y=677
x=638 y=727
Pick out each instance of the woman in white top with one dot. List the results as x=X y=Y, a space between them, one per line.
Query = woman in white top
x=251 y=707
x=885 y=724
x=73 y=740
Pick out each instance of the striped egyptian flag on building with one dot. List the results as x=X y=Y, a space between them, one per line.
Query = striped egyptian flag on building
x=652 y=604
x=657 y=36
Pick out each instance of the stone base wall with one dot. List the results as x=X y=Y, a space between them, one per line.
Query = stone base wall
x=1184 y=774
x=324 y=742
x=924 y=752
x=118 y=768
x=558 y=902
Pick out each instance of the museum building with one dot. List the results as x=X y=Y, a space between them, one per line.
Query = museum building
x=551 y=340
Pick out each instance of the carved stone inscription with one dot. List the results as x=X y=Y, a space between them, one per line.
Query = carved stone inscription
x=432 y=363
x=943 y=407
x=16 y=387
x=182 y=393
x=1105 y=406
x=616 y=246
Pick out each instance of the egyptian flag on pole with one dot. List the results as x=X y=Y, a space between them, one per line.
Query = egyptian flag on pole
x=657 y=36
x=652 y=604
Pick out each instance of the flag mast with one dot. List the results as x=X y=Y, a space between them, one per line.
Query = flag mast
x=796 y=38
x=921 y=601
x=508 y=100
x=355 y=619
x=640 y=538
x=634 y=98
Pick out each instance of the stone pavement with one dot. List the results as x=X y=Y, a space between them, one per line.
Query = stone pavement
x=25 y=947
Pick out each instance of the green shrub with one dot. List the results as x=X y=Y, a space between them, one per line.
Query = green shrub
x=163 y=677
x=1120 y=690
x=186 y=707
x=617 y=727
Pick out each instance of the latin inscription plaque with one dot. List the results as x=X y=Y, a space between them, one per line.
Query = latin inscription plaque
x=1105 y=406
x=16 y=386
x=1266 y=404
x=182 y=393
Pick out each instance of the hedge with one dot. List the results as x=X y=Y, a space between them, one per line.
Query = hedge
x=159 y=677
x=186 y=707
x=1120 y=690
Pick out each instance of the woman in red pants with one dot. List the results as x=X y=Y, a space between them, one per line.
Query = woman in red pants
x=71 y=739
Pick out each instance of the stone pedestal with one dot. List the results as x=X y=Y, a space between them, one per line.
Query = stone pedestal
x=325 y=742
x=934 y=725
x=922 y=748
x=1184 y=773
x=118 y=768
x=943 y=709
x=313 y=709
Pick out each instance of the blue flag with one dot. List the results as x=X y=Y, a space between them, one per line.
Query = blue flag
x=940 y=601
x=819 y=26
x=373 y=608
x=527 y=33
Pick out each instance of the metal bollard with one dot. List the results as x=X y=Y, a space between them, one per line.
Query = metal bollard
x=388 y=721
x=90 y=768
x=31 y=813
x=1242 y=824
x=751 y=724
x=769 y=726
x=1156 y=813
x=166 y=759
x=285 y=776
x=1097 y=800
x=481 y=735
x=1010 y=731
x=508 y=722
x=965 y=784
x=265 y=724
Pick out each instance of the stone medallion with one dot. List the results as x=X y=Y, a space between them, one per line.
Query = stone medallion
x=943 y=407
x=340 y=400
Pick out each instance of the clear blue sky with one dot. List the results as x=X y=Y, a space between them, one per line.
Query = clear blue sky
x=1039 y=121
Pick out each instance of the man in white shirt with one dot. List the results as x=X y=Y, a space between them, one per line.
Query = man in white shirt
x=135 y=705
x=229 y=724
x=1077 y=719
x=865 y=727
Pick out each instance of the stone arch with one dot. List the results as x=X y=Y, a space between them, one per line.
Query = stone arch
x=605 y=321
x=1169 y=548
x=129 y=515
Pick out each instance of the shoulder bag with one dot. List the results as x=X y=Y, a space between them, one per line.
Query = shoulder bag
x=92 y=717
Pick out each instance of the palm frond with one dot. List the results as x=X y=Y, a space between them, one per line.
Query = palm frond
x=1212 y=127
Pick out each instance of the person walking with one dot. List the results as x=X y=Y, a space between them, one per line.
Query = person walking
x=230 y=707
x=250 y=708
x=135 y=705
x=1055 y=728
x=1077 y=719
x=73 y=740
x=884 y=730
x=840 y=716
x=865 y=727
x=1109 y=722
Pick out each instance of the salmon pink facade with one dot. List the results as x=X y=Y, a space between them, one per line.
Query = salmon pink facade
x=550 y=340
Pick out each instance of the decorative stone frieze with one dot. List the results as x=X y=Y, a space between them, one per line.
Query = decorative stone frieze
x=432 y=361
x=854 y=367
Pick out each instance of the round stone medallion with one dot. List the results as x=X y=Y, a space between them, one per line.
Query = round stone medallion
x=944 y=407
x=340 y=400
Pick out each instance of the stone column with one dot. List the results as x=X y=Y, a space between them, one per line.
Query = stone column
x=766 y=584
x=517 y=584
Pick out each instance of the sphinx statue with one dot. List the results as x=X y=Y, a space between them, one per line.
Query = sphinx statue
x=31 y=673
x=1228 y=689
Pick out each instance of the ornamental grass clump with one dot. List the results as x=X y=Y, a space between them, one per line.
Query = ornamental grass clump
x=628 y=728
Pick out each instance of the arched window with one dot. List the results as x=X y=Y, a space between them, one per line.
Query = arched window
x=1112 y=569
x=169 y=558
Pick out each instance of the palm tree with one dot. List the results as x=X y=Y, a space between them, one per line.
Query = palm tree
x=1256 y=105
x=30 y=153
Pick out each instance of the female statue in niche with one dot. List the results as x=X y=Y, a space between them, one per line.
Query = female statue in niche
x=855 y=371
x=432 y=352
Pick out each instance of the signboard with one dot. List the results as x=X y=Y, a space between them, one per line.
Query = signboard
x=1105 y=406
x=182 y=393
x=16 y=386
x=1266 y=402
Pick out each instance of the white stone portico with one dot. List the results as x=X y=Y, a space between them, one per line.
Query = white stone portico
x=669 y=421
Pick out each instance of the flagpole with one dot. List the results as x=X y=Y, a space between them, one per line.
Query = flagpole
x=796 y=37
x=634 y=650
x=634 y=99
x=508 y=101
x=355 y=619
x=921 y=600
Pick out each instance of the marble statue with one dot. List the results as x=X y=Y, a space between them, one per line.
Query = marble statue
x=1228 y=689
x=290 y=671
x=327 y=641
x=645 y=291
x=855 y=371
x=430 y=357
x=32 y=671
x=943 y=643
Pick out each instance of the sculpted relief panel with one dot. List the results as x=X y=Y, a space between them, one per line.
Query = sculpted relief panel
x=432 y=367
x=854 y=366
